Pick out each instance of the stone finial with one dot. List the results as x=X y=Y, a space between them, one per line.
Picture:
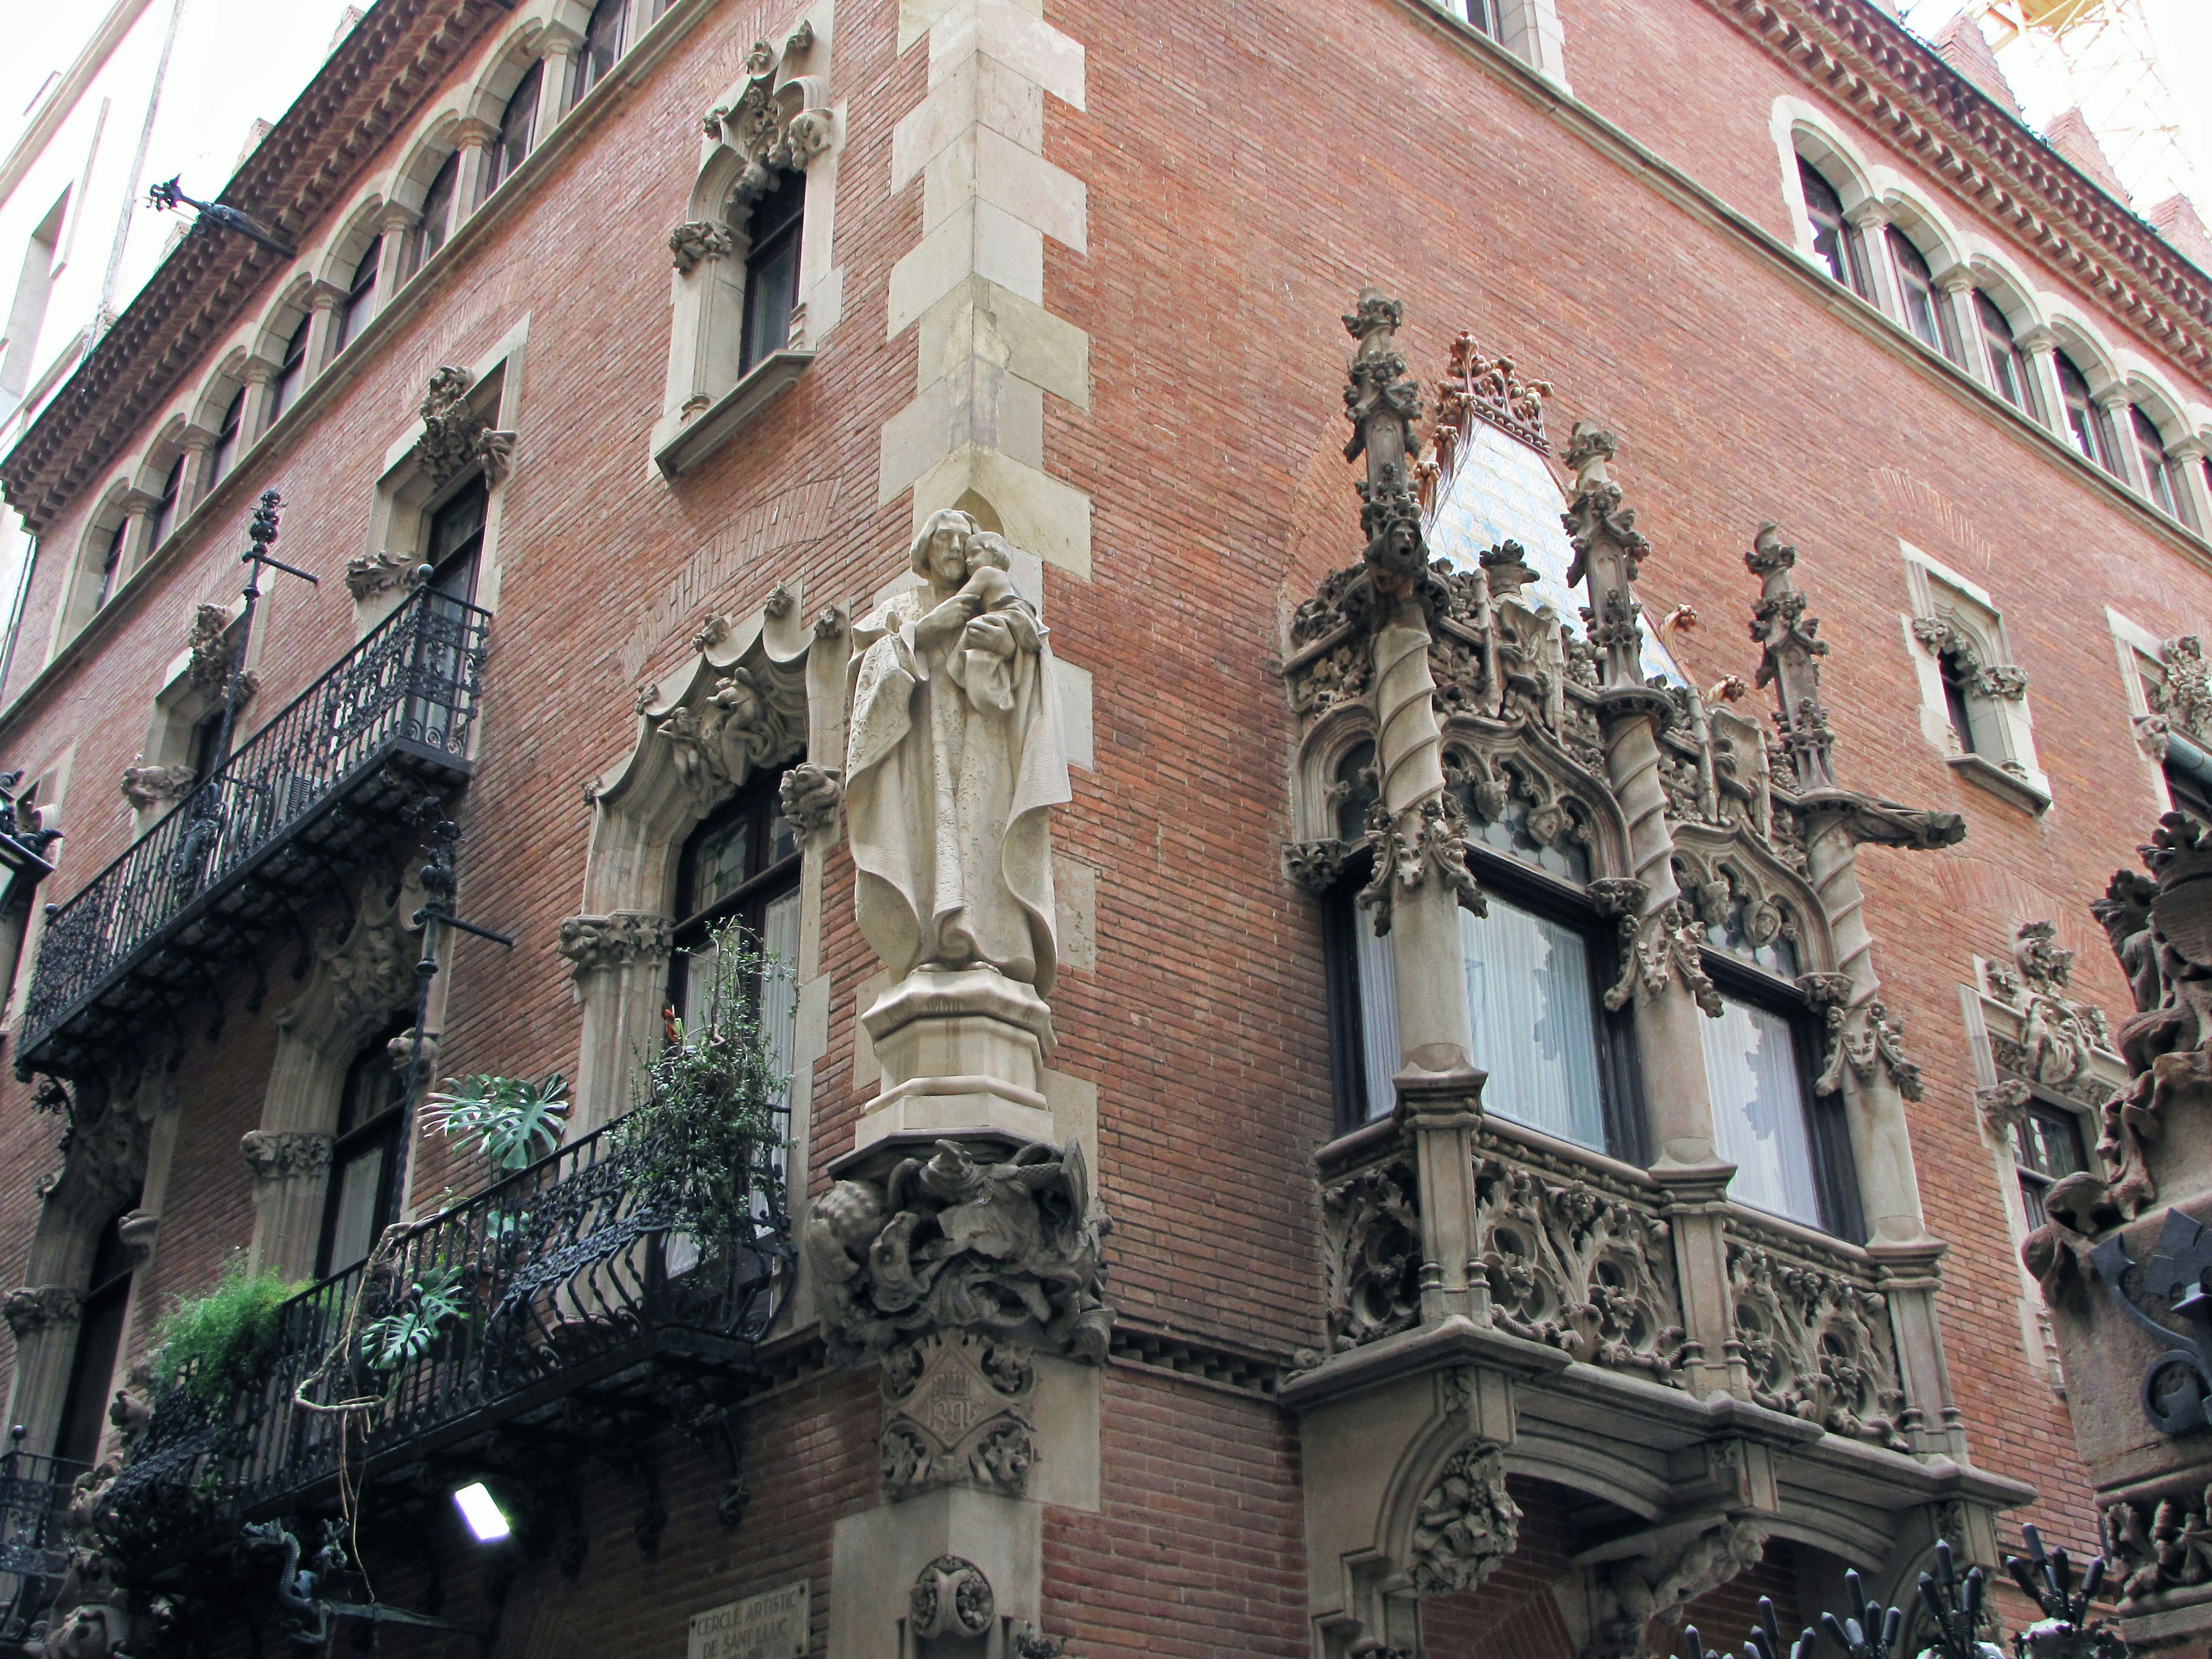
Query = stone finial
x=1382 y=401
x=1609 y=552
x=1789 y=653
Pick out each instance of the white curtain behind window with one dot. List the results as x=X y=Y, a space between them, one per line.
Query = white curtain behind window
x=1759 y=1110
x=1378 y=1013
x=1536 y=1033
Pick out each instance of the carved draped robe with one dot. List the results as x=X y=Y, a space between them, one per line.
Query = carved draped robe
x=948 y=784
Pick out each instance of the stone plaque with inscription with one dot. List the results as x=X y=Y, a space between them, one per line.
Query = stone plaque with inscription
x=769 y=1626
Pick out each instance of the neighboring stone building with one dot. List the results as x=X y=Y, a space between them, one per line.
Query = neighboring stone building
x=874 y=472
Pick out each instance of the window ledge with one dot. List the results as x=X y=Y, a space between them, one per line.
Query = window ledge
x=728 y=415
x=2027 y=793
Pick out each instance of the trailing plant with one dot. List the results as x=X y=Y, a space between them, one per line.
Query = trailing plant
x=406 y=1332
x=708 y=1123
x=224 y=1342
x=514 y=1121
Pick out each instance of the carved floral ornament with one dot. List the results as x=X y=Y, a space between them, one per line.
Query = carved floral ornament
x=1942 y=635
x=1818 y=1346
x=1633 y=1600
x=743 y=708
x=2180 y=698
x=212 y=654
x=34 y=1307
x=595 y=943
x=2055 y=1037
x=282 y=1154
x=777 y=123
x=1465 y=1525
x=454 y=436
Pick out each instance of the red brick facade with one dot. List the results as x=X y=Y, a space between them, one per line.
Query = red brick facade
x=1249 y=167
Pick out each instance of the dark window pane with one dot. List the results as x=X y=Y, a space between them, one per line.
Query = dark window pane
x=291 y=371
x=111 y=562
x=438 y=207
x=603 y=43
x=2086 y=425
x=772 y=238
x=1958 y=701
x=517 y=127
x=2152 y=448
x=361 y=297
x=1915 y=289
x=226 y=437
x=165 y=505
x=1833 y=239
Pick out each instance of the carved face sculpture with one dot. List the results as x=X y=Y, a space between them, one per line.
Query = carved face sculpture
x=948 y=556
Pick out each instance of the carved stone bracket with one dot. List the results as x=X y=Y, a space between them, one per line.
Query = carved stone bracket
x=810 y=797
x=743 y=723
x=1466 y=1524
x=1007 y=1250
x=34 y=1308
x=372 y=573
x=1635 y=1602
x=278 y=1154
x=951 y=1598
x=2183 y=697
x=208 y=642
x=1654 y=951
x=148 y=787
x=2002 y=1106
x=454 y=436
x=1428 y=840
x=697 y=240
x=2057 y=1035
x=596 y=943
x=959 y=1409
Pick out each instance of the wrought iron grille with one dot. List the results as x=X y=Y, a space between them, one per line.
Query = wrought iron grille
x=34 y=1495
x=569 y=1275
x=410 y=685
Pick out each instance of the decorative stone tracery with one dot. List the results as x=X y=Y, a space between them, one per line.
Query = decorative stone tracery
x=1818 y=1346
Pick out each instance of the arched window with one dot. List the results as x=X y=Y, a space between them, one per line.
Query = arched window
x=363 y=1196
x=2086 y=425
x=437 y=210
x=361 y=296
x=772 y=235
x=225 y=439
x=605 y=37
x=99 y=1341
x=1483 y=13
x=1924 y=312
x=517 y=129
x=284 y=386
x=111 y=564
x=2007 y=367
x=165 y=505
x=741 y=865
x=1834 y=240
x=2164 y=477
x=1957 y=676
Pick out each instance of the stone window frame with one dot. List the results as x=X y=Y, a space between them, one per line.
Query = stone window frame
x=1952 y=613
x=706 y=403
x=119 y=506
x=191 y=690
x=1529 y=29
x=1992 y=1017
x=2146 y=663
x=407 y=493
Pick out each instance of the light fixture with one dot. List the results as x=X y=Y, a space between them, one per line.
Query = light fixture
x=482 y=1513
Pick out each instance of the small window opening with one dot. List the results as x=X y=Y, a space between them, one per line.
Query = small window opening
x=604 y=42
x=517 y=129
x=1834 y=240
x=111 y=564
x=457 y=542
x=2087 y=426
x=1924 y=311
x=98 y=1344
x=772 y=237
x=284 y=386
x=438 y=210
x=165 y=505
x=2046 y=1145
x=2007 y=367
x=2164 y=482
x=1957 y=698
x=363 y=1196
x=225 y=439
x=361 y=296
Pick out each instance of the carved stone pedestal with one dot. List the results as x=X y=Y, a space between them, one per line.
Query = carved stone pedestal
x=961 y=1049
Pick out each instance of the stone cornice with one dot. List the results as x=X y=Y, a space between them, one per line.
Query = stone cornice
x=393 y=61
x=1899 y=86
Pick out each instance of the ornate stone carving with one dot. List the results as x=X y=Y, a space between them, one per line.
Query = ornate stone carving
x=1577 y=1268
x=1317 y=866
x=1007 y=1249
x=1423 y=844
x=34 y=1308
x=454 y=436
x=139 y=1230
x=959 y=1409
x=1478 y=387
x=1465 y=1524
x=209 y=669
x=1634 y=1603
x=740 y=725
x=2057 y=1034
x=772 y=127
x=1330 y=662
x=1860 y=1038
x=2002 y=1106
x=596 y=943
x=951 y=1598
x=2183 y=698
x=1371 y=1253
x=365 y=971
x=696 y=240
x=2160 y=1545
x=148 y=787
x=372 y=574
x=1817 y=1344
x=810 y=796
x=279 y=1154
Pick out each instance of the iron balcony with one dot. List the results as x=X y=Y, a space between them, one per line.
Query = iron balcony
x=581 y=1319
x=257 y=847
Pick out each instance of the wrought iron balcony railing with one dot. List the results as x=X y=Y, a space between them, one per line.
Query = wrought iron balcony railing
x=570 y=1275
x=34 y=1499
x=253 y=848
